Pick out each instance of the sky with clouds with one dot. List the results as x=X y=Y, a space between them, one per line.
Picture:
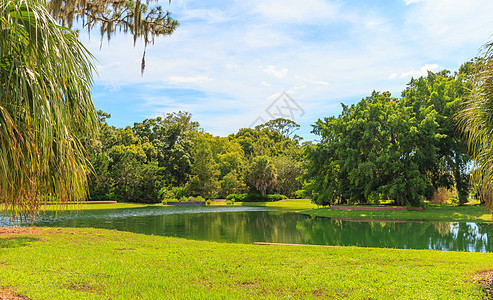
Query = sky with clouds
x=229 y=62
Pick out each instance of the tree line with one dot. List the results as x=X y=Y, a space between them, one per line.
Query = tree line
x=381 y=148
x=172 y=157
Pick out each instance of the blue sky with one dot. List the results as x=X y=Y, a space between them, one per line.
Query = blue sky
x=230 y=60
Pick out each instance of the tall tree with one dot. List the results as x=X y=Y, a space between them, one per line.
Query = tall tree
x=444 y=93
x=374 y=150
x=476 y=121
x=45 y=105
x=262 y=174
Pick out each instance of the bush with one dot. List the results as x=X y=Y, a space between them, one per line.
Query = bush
x=208 y=202
x=180 y=192
x=236 y=197
x=298 y=194
x=200 y=199
x=255 y=198
x=183 y=199
x=440 y=196
x=230 y=202
x=192 y=199
x=165 y=201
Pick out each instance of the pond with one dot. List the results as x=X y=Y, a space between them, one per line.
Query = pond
x=258 y=224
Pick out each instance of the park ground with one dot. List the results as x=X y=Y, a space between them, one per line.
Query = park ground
x=69 y=263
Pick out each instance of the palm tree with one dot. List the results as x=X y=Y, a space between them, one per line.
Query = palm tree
x=45 y=106
x=476 y=120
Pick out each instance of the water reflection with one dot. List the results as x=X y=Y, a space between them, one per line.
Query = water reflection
x=250 y=224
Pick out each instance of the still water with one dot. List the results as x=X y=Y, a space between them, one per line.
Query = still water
x=256 y=224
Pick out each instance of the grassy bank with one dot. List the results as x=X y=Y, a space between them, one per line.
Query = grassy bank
x=93 y=206
x=434 y=212
x=52 y=263
x=293 y=204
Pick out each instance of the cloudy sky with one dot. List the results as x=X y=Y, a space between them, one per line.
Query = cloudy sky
x=229 y=61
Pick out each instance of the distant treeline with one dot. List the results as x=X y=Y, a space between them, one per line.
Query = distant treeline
x=382 y=148
x=172 y=157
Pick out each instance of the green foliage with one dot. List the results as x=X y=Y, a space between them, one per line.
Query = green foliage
x=477 y=123
x=133 y=164
x=45 y=109
x=386 y=148
x=255 y=197
x=374 y=150
x=288 y=173
x=262 y=174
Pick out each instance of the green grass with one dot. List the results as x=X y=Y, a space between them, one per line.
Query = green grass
x=434 y=212
x=93 y=206
x=294 y=204
x=105 y=264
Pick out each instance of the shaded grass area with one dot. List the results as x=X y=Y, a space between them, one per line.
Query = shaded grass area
x=102 y=264
x=434 y=212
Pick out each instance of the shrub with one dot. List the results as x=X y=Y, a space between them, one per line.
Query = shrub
x=183 y=199
x=192 y=199
x=260 y=198
x=237 y=197
x=200 y=199
x=298 y=194
x=230 y=202
x=440 y=196
x=208 y=202
x=180 y=192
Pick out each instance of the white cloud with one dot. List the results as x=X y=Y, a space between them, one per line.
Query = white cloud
x=307 y=11
x=180 y=79
x=423 y=71
x=343 y=53
x=113 y=87
x=208 y=15
x=277 y=72
x=444 y=25
x=409 y=2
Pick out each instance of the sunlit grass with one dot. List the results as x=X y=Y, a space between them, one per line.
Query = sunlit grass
x=294 y=204
x=93 y=206
x=434 y=212
x=103 y=264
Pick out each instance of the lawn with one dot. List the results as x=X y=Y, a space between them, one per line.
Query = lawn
x=93 y=206
x=52 y=263
x=294 y=204
x=434 y=212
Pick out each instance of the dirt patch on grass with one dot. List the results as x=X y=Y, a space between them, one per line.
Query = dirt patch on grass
x=485 y=280
x=17 y=230
x=11 y=295
x=84 y=287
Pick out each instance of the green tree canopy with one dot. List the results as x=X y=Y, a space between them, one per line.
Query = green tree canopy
x=374 y=150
